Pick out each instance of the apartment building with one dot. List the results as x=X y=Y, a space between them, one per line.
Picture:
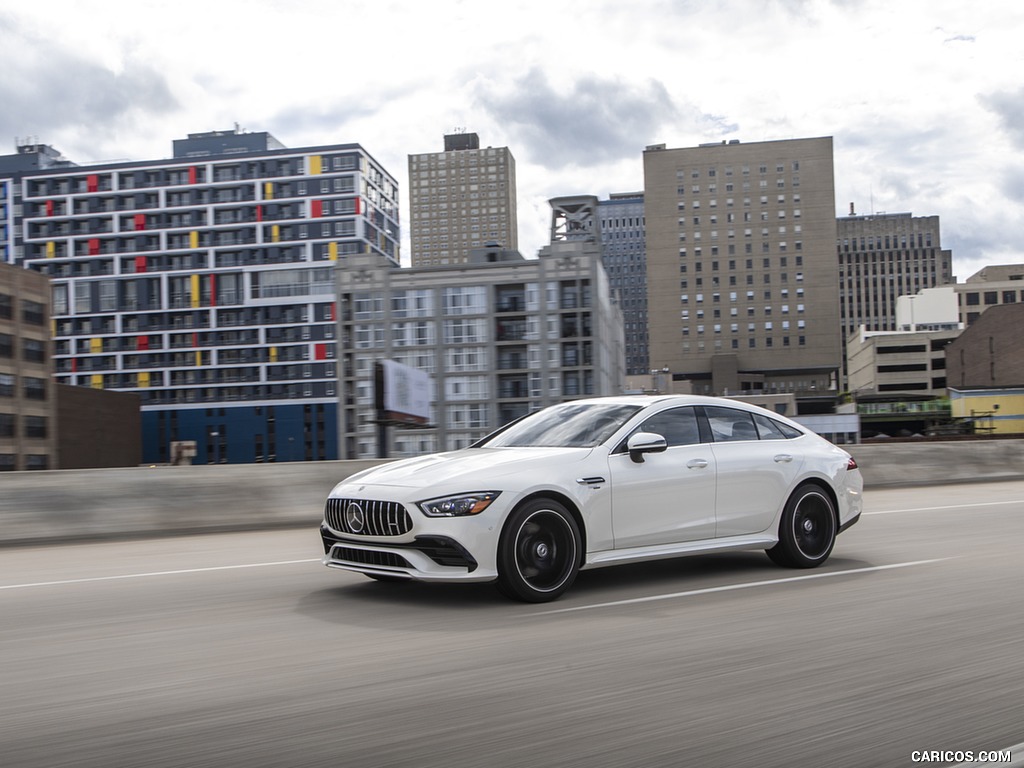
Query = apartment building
x=500 y=336
x=461 y=199
x=205 y=284
x=743 y=284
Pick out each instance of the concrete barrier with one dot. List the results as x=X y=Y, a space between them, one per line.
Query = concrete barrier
x=72 y=505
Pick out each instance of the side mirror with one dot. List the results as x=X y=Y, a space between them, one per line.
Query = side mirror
x=644 y=442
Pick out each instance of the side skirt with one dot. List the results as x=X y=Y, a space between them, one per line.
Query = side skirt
x=665 y=551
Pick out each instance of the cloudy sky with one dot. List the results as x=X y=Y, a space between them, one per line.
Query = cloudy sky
x=924 y=98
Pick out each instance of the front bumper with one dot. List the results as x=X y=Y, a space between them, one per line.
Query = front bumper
x=423 y=558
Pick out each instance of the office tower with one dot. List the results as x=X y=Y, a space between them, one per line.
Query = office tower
x=205 y=283
x=461 y=199
x=882 y=257
x=625 y=259
x=499 y=335
x=743 y=285
x=28 y=403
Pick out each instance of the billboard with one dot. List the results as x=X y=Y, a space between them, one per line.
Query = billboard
x=402 y=393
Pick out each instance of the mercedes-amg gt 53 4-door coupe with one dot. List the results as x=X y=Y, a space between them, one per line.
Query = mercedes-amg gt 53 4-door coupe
x=597 y=482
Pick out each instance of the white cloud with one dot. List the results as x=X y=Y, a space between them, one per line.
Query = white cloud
x=922 y=96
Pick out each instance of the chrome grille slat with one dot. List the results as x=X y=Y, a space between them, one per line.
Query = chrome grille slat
x=379 y=518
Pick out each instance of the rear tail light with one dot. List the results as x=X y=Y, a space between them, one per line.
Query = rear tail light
x=851 y=464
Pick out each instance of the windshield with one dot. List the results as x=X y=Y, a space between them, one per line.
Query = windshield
x=571 y=425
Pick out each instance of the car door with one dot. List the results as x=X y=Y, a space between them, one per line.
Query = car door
x=670 y=496
x=757 y=467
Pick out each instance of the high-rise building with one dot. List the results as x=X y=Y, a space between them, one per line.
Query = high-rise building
x=205 y=283
x=461 y=199
x=625 y=258
x=882 y=257
x=743 y=285
x=500 y=336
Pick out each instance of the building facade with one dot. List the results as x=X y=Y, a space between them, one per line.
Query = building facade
x=743 y=285
x=28 y=407
x=461 y=199
x=882 y=257
x=986 y=370
x=990 y=287
x=623 y=245
x=205 y=284
x=500 y=336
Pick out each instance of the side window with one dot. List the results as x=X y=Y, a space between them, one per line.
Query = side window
x=768 y=429
x=730 y=425
x=678 y=426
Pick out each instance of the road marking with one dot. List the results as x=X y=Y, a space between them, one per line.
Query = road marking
x=947 y=506
x=156 y=573
x=745 y=585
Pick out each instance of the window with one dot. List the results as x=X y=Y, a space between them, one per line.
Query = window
x=678 y=426
x=34 y=389
x=730 y=425
x=32 y=312
x=35 y=426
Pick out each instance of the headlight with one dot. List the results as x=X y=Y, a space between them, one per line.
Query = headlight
x=459 y=505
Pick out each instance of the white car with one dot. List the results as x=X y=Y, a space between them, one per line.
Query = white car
x=597 y=482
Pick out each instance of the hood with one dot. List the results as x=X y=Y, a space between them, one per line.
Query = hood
x=477 y=466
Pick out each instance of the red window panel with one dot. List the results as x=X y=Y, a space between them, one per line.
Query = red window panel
x=317 y=208
x=94 y=246
x=49 y=207
x=140 y=221
x=92 y=183
x=142 y=342
x=74 y=365
x=192 y=174
x=334 y=308
x=359 y=205
x=320 y=351
x=195 y=339
x=259 y=213
x=140 y=263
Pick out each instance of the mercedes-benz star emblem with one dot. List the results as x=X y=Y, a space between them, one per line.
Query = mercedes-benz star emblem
x=355 y=518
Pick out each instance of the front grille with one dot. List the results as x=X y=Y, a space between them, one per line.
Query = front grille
x=370 y=557
x=367 y=518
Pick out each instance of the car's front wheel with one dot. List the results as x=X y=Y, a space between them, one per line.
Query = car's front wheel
x=539 y=552
x=807 y=532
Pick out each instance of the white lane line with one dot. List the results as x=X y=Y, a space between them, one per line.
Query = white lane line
x=745 y=585
x=947 y=506
x=156 y=573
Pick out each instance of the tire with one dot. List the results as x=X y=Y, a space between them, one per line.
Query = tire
x=539 y=552
x=807 y=531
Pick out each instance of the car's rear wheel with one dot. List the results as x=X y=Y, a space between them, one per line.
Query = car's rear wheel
x=539 y=552
x=807 y=531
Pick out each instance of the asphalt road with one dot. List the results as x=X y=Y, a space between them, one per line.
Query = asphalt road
x=241 y=650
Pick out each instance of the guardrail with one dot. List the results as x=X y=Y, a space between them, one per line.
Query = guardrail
x=64 y=506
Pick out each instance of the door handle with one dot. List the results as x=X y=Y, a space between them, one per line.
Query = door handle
x=696 y=463
x=783 y=458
